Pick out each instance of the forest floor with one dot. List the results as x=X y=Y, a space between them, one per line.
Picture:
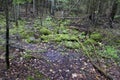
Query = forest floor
x=52 y=61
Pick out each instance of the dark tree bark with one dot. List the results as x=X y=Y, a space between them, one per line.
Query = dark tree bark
x=113 y=12
x=52 y=7
x=7 y=34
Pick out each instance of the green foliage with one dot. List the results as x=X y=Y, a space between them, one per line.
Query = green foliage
x=2 y=21
x=90 y=41
x=49 y=22
x=2 y=30
x=81 y=35
x=65 y=22
x=72 y=45
x=21 y=30
x=27 y=56
x=75 y=32
x=110 y=52
x=20 y=1
x=96 y=36
x=62 y=30
x=66 y=37
x=45 y=31
x=47 y=38
x=64 y=3
x=31 y=40
x=30 y=78
x=59 y=37
x=37 y=23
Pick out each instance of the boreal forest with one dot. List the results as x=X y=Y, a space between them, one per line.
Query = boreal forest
x=59 y=39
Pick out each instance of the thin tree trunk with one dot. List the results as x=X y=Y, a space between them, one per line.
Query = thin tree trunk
x=16 y=11
x=34 y=7
x=113 y=12
x=7 y=34
x=52 y=7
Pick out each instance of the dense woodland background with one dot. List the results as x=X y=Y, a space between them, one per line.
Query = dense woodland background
x=60 y=39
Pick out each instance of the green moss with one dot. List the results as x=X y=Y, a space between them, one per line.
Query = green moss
x=32 y=40
x=59 y=37
x=90 y=41
x=66 y=31
x=96 y=36
x=73 y=31
x=46 y=37
x=72 y=45
x=62 y=30
x=45 y=31
x=68 y=37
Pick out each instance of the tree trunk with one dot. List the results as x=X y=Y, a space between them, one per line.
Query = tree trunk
x=34 y=7
x=92 y=11
x=52 y=7
x=113 y=12
x=7 y=34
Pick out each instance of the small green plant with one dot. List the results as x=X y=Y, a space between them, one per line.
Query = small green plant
x=66 y=22
x=45 y=31
x=96 y=36
x=62 y=30
x=72 y=45
x=110 y=52
x=59 y=37
x=48 y=22
x=90 y=41
x=27 y=56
